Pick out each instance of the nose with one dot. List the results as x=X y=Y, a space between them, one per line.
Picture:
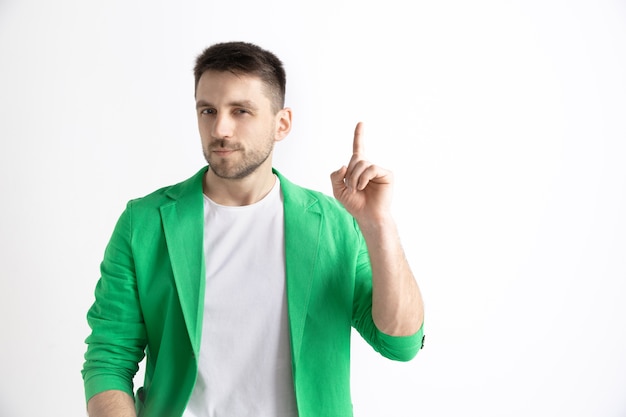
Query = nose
x=222 y=126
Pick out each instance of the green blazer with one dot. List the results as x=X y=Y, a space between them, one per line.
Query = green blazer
x=149 y=301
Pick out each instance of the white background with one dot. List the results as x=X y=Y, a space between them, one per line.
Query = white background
x=504 y=122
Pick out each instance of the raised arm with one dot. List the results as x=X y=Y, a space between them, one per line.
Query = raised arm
x=365 y=190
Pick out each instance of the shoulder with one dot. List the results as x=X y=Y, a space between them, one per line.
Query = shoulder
x=301 y=198
x=192 y=186
x=299 y=195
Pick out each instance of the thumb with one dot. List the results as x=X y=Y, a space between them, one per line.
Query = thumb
x=337 y=180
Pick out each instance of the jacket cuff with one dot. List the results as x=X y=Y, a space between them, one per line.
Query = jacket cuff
x=100 y=383
x=401 y=348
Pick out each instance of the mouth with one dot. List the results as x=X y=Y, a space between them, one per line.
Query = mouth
x=223 y=151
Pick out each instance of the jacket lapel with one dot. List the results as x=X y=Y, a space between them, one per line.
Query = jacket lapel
x=302 y=233
x=183 y=225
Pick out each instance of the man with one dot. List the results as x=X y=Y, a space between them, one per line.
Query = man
x=240 y=287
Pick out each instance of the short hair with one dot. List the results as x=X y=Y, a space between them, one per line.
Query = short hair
x=244 y=58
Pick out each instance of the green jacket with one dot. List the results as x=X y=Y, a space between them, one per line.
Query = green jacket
x=149 y=300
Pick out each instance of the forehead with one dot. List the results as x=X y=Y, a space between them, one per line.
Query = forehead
x=221 y=85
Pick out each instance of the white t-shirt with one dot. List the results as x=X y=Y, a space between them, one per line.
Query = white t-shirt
x=245 y=366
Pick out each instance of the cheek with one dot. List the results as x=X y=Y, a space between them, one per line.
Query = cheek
x=248 y=129
x=204 y=126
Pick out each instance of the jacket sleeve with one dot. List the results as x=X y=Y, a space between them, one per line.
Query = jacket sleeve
x=399 y=348
x=117 y=341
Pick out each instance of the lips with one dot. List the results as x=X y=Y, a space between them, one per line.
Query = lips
x=222 y=151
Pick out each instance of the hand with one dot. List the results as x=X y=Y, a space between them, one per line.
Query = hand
x=363 y=188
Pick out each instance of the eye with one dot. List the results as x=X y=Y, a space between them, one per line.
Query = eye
x=207 y=111
x=242 y=111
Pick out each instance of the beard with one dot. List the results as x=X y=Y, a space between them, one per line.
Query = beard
x=240 y=164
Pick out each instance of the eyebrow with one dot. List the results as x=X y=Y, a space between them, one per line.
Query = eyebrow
x=237 y=103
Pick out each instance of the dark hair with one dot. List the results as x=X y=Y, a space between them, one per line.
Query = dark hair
x=243 y=58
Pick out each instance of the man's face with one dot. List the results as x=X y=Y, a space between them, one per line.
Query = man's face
x=237 y=124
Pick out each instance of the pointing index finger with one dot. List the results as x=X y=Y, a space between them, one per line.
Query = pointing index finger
x=357 y=145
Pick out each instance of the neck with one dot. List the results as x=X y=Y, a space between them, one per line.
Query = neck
x=238 y=192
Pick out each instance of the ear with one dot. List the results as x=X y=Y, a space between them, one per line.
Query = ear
x=283 y=124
